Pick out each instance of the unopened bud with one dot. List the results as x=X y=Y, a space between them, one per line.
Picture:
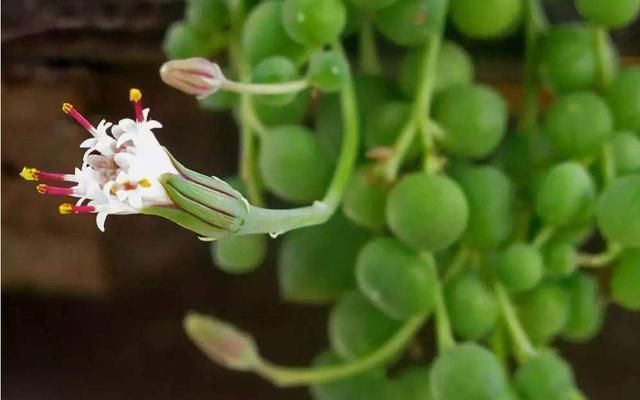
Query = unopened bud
x=221 y=342
x=196 y=76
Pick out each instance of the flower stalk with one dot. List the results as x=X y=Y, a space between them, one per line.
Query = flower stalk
x=235 y=349
x=200 y=77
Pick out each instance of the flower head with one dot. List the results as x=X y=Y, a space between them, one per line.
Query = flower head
x=125 y=170
x=195 y=76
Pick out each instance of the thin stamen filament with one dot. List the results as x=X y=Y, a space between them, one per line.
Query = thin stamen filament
x=54 y=190
x=68 y=208
x=135 y=96
x=68 y=108
x=34 y=174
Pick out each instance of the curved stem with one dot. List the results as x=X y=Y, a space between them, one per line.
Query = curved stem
x=252 y=119
x=275 y=222
x=543 y=236
x=420 y=108
x=368 y=52
x=524 y=348
x=349 y=149
x=444 y=336
x=600 y=260
x=264 y=88
x=248 y=156
x=287 y=376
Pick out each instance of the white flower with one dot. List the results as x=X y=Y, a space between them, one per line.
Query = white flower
x=120 y=171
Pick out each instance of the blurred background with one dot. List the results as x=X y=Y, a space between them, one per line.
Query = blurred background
x=98 y=315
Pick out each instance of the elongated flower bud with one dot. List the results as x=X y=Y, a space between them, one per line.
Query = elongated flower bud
x=221 y=342
x=195 y=76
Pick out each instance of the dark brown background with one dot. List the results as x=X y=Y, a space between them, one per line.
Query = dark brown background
x=91 y=315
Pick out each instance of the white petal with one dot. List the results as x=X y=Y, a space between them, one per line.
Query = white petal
x=127 y=123
x=153 y=124
x=122 y=195
x=124 y=138
x=88 y=143
x=94 y=192
x=124 y=160
x=135 y=200
x=101 y=218
x=117 y=130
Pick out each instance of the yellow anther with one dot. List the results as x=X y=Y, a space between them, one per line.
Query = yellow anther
x=65 y=208
x=29 y=174
x=135 y=95
x=67 y=107
x=41 y=188
x=145 y=183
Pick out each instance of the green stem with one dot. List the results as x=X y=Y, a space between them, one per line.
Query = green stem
x=369 y=60
x=349 y=149
x=543 y=236
x=277 y=222
x=248 y=152
x=444 y=336
x=261 y=220
x=250 y=117
x=460 y=260
x=535 y=25
x=264 y=88
x=523 y=216
x=608 y=164
x=605 y=66
x=498 y=343
x=287 y=376
x=420 y=108
x=523 y=347
x=248 y=155
x=600 y=260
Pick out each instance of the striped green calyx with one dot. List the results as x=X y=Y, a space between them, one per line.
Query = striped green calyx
x=205 y=205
